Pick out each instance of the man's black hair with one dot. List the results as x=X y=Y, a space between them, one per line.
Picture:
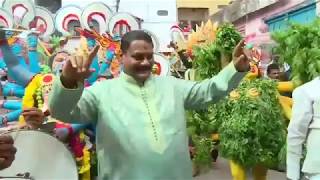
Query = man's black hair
x=131 y=36
x=272 y=67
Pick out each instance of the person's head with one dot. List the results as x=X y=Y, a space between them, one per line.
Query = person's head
x=273 y=71
x=137 y=55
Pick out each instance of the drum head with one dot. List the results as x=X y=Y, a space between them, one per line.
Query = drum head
x=41 y=155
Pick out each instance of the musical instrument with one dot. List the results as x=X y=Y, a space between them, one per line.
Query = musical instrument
x=40 y=156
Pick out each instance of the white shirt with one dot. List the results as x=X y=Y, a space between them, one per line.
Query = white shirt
x=304 y=126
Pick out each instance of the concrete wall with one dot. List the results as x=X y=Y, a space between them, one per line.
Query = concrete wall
x=193 y=14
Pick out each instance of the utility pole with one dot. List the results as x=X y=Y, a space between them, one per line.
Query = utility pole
x=117 y=5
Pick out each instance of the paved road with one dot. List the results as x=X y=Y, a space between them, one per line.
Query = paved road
x=221 y=171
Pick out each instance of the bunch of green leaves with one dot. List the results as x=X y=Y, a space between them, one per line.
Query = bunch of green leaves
x=299 y=46
x=206 y=60
x=203 y=146
x=197 y=123
x=206 y=121
x=253 y=132
x=207 y=57
x=227 y=38
x=55 y=41
x=44 y=69
x=201 y=125
x=199 y=129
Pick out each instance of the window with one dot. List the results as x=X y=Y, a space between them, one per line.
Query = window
x=162 y=13
x=303 y=15
x=194 y=24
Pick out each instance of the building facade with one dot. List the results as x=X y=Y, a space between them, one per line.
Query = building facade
x=193 y=12
x=251 y=16
x=277 y=16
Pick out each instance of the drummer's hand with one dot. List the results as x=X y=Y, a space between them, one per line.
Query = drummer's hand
x=7 y=151
x=77 y=68
x=34 y=117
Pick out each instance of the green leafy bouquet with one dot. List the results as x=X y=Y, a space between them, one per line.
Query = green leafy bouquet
x=252 y=131
x=210 y=58
x=207 y=62
x=299 y=46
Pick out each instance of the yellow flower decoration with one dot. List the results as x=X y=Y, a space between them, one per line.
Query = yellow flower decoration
x=84 y=170
x=85 y=166
x=28 y=100
x=253 y=92
x=253 y=73
x=234 y=95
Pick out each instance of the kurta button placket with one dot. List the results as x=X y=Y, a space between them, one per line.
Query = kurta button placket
x=144 y=97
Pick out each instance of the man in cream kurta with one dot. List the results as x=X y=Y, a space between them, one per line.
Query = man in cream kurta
x=305 y=126
x=141 y=128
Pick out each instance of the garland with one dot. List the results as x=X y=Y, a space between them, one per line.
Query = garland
x=33 y=92
x=82 y=155
x=28 y=98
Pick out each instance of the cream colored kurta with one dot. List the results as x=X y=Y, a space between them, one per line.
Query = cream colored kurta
x=304 y=126
x=141 y=130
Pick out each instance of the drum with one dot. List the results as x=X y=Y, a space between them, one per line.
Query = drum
x=40 y=156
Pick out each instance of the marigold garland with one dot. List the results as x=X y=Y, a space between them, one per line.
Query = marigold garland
x=28 y=99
